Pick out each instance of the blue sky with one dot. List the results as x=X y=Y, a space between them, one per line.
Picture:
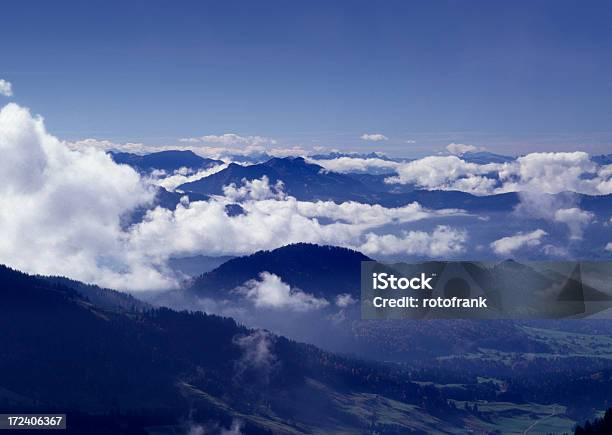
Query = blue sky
x=512 y=77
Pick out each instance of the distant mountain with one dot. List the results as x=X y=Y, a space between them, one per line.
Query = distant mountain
x=196 y=265
x=324 y=271
x=483 y=157
x=603 y=159
x=168 y=161
x=302 y=180
x=336 y=155
x=310 y=182
x=163 y=198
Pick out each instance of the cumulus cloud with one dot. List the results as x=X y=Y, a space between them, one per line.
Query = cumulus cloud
x=442 y=241
x=446 y=173
x=61 y=210
x=373 y=137
x=257 y=189
x=204 y=226
x=609 y=247
x=554 y=173
x=460 y=149
x=6 y=88
x=507 y=245
x=269 y=291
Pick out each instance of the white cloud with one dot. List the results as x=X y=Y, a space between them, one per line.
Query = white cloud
x=182 y=176
x=257 y=189
x=230 y=139
x=344 y=300
x=442 y=241
x=575 y=219
x=355 y=164
x=271 y=292
x=257 y=354
x=46 y=185
x=609 y=247
x=373 y=137
x=555 y=251
x=61 y=210
x=193 y=144
x=203 y=227
x=446 y=173
x=107 y=145
x=507 y=245
x=6 y=88
x=460 y=149
x=554 y=173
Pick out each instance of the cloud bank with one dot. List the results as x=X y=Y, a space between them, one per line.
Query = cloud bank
x=63 y=212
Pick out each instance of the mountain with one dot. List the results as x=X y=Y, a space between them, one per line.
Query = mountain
x=310 y=182
x=336 y=155
x=161 y=371
x=324 y=271
x=483 y=157
x=603 y=159
x=168 y=161
x=196 y=265
x=301 y=179
x=163 y=198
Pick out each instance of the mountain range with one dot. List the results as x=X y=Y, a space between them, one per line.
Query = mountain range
x=168 y=161
x=117 y=370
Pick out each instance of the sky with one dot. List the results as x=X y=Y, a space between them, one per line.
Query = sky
x=403 y=77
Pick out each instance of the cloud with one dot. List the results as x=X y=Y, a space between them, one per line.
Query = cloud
x=460 y=149
x=271 y=292
x=257 y=189
x=355 y=164
x=257 y=355
x=575 y=219
x=442 y=241
x=507 y=245
x=229 y=139
x=554 y=173
x=608 y=247
x=182 y=176
x=6 y=88
x=107 y=145
x=555 y=251
x=344 y=300
x=234 y=429
x=61 y=210
x=222 y=152
x=373 y=137
x=446 y=173
x=204 y=227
